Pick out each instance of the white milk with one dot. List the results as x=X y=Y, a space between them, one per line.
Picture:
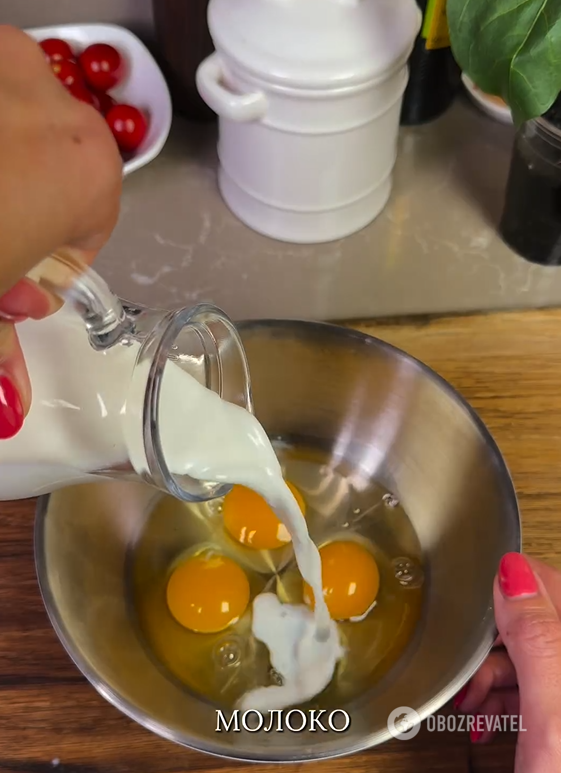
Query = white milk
x=76 y=426
x=73 y=427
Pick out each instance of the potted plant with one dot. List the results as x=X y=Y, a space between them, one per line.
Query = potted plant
x=510 y=48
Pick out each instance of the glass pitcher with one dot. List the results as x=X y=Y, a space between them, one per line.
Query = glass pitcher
x=96 y=368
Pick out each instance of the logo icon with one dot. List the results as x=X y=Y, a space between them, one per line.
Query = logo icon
x=404 y=723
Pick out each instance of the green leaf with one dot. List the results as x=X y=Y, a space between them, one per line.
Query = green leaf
x=510 y=48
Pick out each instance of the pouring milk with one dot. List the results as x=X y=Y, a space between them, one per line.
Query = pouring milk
x=75 y=429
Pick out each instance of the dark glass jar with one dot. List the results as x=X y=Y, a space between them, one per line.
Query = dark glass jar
x=434 y=76
x=531 y=219
x=183 y=41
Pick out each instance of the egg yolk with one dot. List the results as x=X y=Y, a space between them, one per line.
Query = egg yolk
x=249 y=519
x=207 y=593
x=350 y=579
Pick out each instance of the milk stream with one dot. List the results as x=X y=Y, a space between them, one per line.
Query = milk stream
x=75 y=427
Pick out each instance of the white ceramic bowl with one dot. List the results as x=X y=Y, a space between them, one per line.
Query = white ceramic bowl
x=143 y=86
x=500 y=112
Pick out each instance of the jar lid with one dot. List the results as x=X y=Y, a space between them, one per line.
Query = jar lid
x=315 y=43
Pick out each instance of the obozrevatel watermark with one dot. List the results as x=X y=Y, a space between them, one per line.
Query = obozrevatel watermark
x=295 y=721
x=404 y=723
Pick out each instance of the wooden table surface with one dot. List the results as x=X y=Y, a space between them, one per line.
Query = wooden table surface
x=508 y=366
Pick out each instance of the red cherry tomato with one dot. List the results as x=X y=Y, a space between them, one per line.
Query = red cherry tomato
x=81 y=92
x=102 y=66
x=105 y=101
x=68 y=73
x=56 y=50
x=128 y=125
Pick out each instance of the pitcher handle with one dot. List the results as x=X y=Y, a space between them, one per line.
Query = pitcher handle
x=80 y=286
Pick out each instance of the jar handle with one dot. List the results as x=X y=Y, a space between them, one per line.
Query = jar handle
x=75 y=283
x=236 y=107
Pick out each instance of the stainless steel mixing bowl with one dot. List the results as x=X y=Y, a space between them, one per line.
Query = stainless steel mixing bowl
x=390 y=418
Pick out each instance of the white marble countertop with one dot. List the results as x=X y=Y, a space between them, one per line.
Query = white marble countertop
x=434 y=249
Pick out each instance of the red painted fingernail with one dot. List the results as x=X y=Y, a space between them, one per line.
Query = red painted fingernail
x=459 y=699
x=475 y=734
x=516 y=578
x=11 y=409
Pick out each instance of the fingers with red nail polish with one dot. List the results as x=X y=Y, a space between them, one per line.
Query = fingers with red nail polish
x=521 y=678
x=25 y=300
x=530 y=627
x=492 y=715
x=475 y=734
x=15 y=389
x=459 y=697
x=14 y=383
x=496 y=673
x=516 y=578
x=11 y=408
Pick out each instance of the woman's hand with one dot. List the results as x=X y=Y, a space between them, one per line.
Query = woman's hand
x=522 y=676
x=60 y=185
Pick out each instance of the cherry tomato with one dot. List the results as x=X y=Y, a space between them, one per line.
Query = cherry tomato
x=105 y=101
x=102 y=66
x=68 y=73
x=81 y=92
x=56 y=50
x=128 y=125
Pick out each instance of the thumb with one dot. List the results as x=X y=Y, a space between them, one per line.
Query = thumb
x=531 y=631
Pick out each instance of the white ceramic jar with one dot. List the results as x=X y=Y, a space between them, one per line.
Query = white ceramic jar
x=308 y=93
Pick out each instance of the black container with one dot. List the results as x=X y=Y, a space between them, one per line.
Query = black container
x=434 y=76
x=531 y=219
x=183 y=41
